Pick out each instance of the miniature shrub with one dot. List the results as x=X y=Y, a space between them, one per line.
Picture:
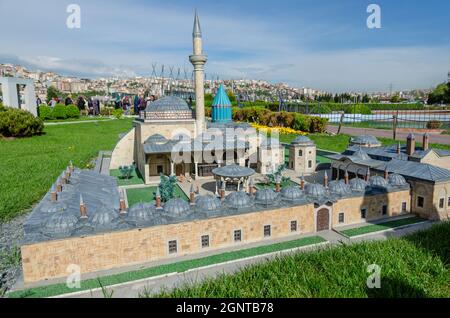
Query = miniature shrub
x=118 y=113
x=45 y=112
x=434 y=124
x=301 y=122
x=72 y=111
x=59 y=112
x=19 y=123
x=318 y=125
x=106 y=111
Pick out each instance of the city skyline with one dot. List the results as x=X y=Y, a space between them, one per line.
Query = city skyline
x=325 y=45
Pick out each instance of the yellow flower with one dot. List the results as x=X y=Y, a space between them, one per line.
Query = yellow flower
x=281 y=130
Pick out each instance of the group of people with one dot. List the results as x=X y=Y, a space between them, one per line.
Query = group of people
x=139 y=103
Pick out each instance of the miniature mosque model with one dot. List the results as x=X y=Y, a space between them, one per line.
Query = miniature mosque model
x=85 y=218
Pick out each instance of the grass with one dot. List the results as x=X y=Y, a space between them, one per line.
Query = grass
x=29 y=166
x=52 y=290
x=82 y=118
x=381 y=226
x=135 y=177
x=146 y=194
x=416 y=265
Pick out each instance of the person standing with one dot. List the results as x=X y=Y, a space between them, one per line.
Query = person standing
x=68 y=101
x=96 y=107
x=81 y=103
x=90 y=106
x=136 y=105
x=38 y=101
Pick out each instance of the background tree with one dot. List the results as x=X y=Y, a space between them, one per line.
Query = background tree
x=53 y=92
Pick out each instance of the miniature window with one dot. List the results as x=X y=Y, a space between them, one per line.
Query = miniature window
x=441 y=203
x=300 y=153
x=173 y=247
x=205 y=241
x=448 y=203
x=363 y=213
x=384 y=210
x=341 y=217
x=420 y=201
x=309 y=164
x=293 y=226
x=237 y=235
x=266 y=230
x=404 y=206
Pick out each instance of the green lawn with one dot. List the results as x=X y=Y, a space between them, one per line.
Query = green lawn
x=417 y=265
x=29 y=166
x=82 y=118
x=381 y=226
x=135 y=177
x=147 y=195
x=182 y=266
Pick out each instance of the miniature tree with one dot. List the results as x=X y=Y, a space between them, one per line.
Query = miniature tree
x=272 y=177
x=167 y=187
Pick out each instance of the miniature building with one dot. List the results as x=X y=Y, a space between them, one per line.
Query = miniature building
x=364 y=141
x=302 y=155
x=270 y=156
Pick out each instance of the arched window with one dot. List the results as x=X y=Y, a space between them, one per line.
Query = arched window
x=300 y=153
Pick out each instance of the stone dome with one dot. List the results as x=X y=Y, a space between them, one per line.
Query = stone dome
x=377 y=181
x=302 y=140
x=61 y=223
x=315 y=189
x=358 y=185
x=339 y=187
x=53 y=207
x=365 y=140
x=292 y=193
x=103 y=217
x=168 y=104
x=176 y=207
x=238 y=200
x=266 y=196
x=361 y=154
x=207 y=203
x=396 y=179
x=141 y=212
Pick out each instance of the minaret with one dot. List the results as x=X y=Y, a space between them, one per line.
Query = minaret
x=198 y=60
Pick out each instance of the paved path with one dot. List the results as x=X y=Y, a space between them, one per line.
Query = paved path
x=384 y=133
x=77 y=122
x=152 y=285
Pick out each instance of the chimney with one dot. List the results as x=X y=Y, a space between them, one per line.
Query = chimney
x=346 y=177
x=158 y=198
x=71 y=167
x=222 y=191
x=410 y=144
x=122 y=205
x=67 y=174
x=192 y=195
x=251 y=186
x=63 y=178
x=426 y=141
x=53 y=194
x=325 y=180
x=302 y=183
x=59 y=185
x=399 y=148
x=278 y=183
x=83 y=210
x=367 y=174
x=386 y=173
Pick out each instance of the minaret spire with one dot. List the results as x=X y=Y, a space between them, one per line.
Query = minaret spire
x=198 y=60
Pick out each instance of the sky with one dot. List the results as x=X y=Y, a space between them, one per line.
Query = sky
x=324 y=44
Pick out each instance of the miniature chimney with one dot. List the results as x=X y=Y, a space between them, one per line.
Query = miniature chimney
x=67 y=174
x=410 y=144
x=222 y=191
x=251 y=186
x=399 y=148
x=192 y=195
x=278 y=183
x=325 y=180
x=53 y=194
x=63 y=178
x=71 y=167
x=346 y=177
x=122 y=205
x=59 y=185
x=302 y=182
x=83 y=210
x=158 y=199
x=367 y=174
x=426 y=141
x=386 y=173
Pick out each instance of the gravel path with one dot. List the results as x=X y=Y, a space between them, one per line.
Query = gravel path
x=11 y=234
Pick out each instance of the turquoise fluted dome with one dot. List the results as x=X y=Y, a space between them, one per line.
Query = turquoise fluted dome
x=221 y=106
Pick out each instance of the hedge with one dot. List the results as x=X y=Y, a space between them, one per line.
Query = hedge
x=60 y=111
x=264 y=116
x=19 y=123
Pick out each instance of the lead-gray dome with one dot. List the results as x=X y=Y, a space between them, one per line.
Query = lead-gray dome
x=53 y=207
x=339 y=187
x=61 y=223
x=396 y=180
x=207 y=203
x=238 y=200
x=315 y=189
x=365 y=140
x=377 y=181
x=358 y=185
x=176 y=207
x=141 y=212
x=361 y=154
x=302 y=140
x=168 y=104
x=292 y=193
x=266 y=196
x=103 y=217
